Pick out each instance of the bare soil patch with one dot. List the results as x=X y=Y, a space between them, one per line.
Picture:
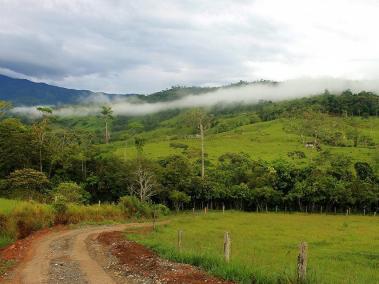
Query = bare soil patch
x=143 y=263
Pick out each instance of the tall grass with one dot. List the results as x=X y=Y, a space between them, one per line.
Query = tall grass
x=95 y=213
x=342 y=249
x=18 y=219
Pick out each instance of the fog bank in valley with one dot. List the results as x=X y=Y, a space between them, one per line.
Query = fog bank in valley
x=249 y=94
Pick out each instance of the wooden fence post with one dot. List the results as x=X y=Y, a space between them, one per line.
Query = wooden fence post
x=193 y=210
x=302 y=261
x=154 y=217
x=99 y=203
x=375 y=213
x=276 y=208
x=223 y=208
x=180 y=235
x=226 y=247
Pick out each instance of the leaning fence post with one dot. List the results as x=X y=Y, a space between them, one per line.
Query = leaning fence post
x=180 y=234
x=226 y=246
x=302 y=260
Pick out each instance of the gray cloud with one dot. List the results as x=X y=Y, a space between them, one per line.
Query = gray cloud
x=145 y=46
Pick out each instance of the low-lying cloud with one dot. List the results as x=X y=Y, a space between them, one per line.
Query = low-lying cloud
x=249 y=94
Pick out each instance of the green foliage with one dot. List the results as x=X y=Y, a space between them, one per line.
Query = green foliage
x=160 y=210
x=179 y=145
x=71 y=192
x=133 y=207
x=139 y=143
x=179 y=198
x=28 y=184
x=60 y=209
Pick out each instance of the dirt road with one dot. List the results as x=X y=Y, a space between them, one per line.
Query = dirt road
x=98 y=255
x=63 y=257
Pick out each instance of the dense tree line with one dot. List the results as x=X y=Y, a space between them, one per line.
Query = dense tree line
x=235 y=180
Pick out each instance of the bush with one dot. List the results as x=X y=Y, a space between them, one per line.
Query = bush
x=133 y=207
x=60 y=210
x=179 y=145
x=71 y=193
x=161 y=210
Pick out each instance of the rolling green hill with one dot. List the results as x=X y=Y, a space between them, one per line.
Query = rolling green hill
x=262 y=140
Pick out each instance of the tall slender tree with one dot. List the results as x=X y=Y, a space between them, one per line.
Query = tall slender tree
x=40 y=130
x=106 y=112
x=202 y=121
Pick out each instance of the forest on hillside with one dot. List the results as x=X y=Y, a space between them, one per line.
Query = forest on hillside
x=38 y=157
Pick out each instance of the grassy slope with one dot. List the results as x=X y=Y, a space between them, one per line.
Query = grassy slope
x=341 y=249
x=263 y=140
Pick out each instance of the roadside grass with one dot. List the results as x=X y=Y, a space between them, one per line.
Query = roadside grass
x=7 y=205
x=342 y=249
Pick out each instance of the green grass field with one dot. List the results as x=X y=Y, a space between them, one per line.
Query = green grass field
x=342 y=249
x=264 y=140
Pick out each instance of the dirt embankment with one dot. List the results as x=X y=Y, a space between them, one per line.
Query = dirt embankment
x=141 y=265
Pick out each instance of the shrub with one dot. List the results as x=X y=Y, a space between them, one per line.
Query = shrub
x=179 y=145
x=161 y=210
x=60 y=210
x=71 y=193
x=133 y=207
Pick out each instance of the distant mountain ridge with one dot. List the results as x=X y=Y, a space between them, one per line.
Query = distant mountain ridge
x=27 y=93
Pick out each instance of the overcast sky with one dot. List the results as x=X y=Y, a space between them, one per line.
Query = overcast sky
x=144 y=46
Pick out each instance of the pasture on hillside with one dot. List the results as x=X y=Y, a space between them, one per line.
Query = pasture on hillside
x=264 y=246
x=263 y=140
